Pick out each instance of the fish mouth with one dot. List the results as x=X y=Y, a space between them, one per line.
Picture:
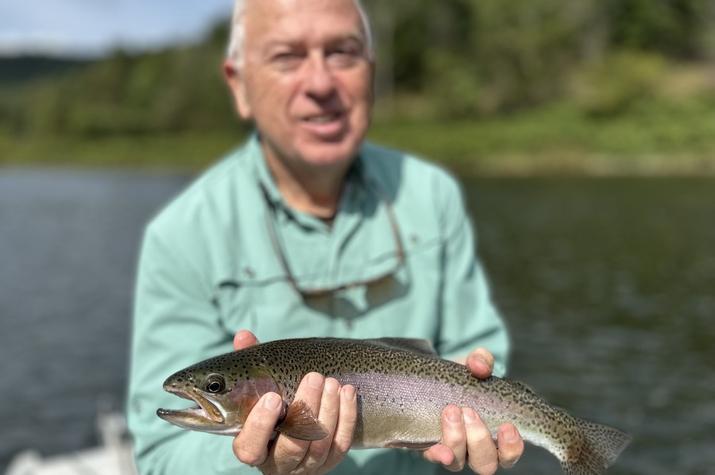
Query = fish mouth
x=205 y=415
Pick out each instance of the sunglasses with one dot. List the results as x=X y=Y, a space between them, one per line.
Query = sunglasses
x=318 y=292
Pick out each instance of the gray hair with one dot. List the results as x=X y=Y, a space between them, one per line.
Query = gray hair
x=238 y=32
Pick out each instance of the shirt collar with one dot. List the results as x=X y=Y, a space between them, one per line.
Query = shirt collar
x=263 y=175
x=355 y=180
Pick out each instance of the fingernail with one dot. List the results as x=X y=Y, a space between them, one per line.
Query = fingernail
x=348 y=393
x=510 y=434
x=470 y=417
x=478 y=359
x=271 y=401
x=332 y=386
x=454 y=415
x=315 y=381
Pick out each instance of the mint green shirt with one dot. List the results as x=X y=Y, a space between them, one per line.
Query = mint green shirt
x=210 y=266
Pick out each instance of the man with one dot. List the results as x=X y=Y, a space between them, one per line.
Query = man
x=308 y=231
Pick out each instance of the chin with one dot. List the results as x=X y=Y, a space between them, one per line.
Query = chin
x=327 y=155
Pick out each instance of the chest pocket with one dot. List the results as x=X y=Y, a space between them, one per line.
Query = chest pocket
x=404 y=303
x=266 y=308
x=275 y=310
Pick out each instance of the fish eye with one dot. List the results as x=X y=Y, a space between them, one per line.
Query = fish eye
x=215 y=384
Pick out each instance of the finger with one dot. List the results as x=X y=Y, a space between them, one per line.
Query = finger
x=347 y=420
x=480 y=446
x=244 y=339
x=328 y=417
x=454 y=436
x=289 y=452
x=251 y=445
x=510 y=445
x=481 y=363
x=439 y=453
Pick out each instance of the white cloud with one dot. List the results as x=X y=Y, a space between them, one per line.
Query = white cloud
x=92 y=26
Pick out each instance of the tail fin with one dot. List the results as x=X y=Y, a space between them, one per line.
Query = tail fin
x=600 y=447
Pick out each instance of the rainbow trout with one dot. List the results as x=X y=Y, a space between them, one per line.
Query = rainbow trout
x=402 y=386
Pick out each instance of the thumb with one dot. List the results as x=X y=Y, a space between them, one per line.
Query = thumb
x=244 y=339
x=481 y=362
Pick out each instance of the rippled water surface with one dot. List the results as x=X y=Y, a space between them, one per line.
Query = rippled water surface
x=608 y=287
x=609 y=290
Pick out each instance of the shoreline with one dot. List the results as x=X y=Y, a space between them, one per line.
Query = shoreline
x=545 y=143
x=587 y=169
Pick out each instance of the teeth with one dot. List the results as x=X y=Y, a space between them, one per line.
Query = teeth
x=323 y=119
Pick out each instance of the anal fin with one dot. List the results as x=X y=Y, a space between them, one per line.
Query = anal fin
x=410 y=444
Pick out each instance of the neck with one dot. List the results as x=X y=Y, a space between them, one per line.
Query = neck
x=310 y=190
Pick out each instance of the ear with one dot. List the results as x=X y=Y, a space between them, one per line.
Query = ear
x=236 y=83
x=373 y=81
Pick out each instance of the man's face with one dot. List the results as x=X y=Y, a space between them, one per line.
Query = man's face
x=306 y=79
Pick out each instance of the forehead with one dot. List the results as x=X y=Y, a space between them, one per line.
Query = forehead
x=293 y=20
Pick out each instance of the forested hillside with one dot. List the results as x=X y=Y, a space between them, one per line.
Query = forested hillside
x=520 y=67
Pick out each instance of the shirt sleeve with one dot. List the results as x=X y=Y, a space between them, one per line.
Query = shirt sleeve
x=175 y=325
x=469 y=318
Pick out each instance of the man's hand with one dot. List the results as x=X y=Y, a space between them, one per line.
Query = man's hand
x=467 y=440
x=335 y=406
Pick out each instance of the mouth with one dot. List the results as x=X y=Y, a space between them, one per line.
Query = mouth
x=327 y=125
x=324 y=118
x=205 y=416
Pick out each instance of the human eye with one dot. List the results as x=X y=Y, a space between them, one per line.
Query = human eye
x=345 y=54
x=286 y=59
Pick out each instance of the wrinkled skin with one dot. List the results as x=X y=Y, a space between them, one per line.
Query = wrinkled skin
x=336 y=408
x=306 y=80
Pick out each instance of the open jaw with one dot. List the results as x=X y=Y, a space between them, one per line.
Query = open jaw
x=205 y=417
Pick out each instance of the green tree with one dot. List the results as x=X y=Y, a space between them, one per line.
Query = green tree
x=673 y=27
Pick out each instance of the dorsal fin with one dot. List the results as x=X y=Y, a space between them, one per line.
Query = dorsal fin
x=410 y=344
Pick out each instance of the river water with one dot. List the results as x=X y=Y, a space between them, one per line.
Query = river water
x=608 y=287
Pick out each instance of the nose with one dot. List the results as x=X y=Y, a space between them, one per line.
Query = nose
x=320 y=82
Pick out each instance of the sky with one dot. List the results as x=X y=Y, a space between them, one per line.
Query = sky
x=94 y=27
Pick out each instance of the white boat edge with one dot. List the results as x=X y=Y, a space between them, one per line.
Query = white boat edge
x=113 y=457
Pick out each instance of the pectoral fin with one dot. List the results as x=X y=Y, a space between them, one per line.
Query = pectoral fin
x=301 y=423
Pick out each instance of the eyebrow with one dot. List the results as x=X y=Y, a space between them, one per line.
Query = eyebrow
x=275 y=43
